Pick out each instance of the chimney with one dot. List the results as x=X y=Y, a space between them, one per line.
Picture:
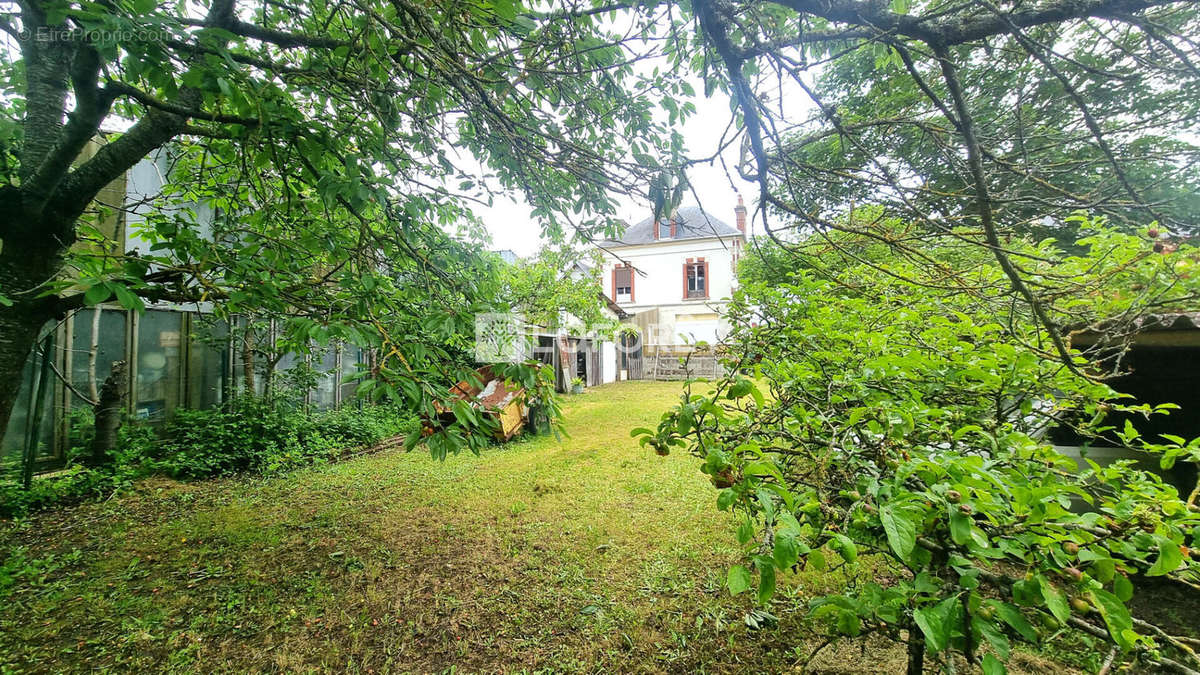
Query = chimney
x=672 y=227
x=657 y=226
x=740 y=211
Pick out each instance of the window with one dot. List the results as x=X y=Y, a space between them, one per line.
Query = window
x=158 y=365
x=623 y=284
x=208 y=362
x=98 y=340
x=697 y=280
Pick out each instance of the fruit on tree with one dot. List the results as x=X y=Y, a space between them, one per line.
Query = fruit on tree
x=723 y=479
x=1049 y=622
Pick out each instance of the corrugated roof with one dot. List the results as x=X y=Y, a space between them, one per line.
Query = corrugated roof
x=1151 y=322
x=691 y=222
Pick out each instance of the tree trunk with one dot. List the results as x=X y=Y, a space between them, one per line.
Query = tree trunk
x=916 y=650
x=19 y=326
x=109 y=407
x=23 y=269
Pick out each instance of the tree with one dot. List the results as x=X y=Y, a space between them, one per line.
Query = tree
x=1086 y=68
x=321 y=135
x=1024 y=112
x=556 y=284
x=909 y=423
x=960 y=127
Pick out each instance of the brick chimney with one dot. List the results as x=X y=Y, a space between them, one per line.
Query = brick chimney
x=657 y=225
x=672 y=227
x=740 y=211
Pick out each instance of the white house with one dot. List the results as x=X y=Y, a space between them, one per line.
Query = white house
x=677 y=275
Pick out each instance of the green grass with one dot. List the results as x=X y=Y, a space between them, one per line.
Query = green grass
x=589 y=554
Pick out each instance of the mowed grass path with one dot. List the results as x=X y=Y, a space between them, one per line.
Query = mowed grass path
x=589 y=554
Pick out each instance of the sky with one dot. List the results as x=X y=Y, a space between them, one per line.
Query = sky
x=512 y=227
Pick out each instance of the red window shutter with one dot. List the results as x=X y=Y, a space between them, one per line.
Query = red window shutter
x=685 y=266
x=632 y=277
x=707 y=280
x=614 y=284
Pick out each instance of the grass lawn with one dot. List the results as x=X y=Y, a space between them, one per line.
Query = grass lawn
x=586 y=555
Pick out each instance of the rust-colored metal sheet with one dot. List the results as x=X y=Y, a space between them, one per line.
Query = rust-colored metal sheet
x=495 y=397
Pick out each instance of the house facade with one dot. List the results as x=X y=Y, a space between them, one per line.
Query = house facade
x=675 y=276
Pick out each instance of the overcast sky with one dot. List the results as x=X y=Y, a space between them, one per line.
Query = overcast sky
x=512 y=227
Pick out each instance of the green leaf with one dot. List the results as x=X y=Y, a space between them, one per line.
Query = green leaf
x=97 y=294
x=848 y=623
x=1123 y=588
x=1169 y=558
x=992 y=665
x=1056 y=602
x=844 y=547
x=726 y=499
x=786 y=553
x=739 y=579
x=127 y=299
x=935 y=624
x=900 y=528
x=994 y=636
x=640 y=431
x=960 y=526
x=745 y=532
x=766 y=582
x=1017 y=621
x=1116 y=617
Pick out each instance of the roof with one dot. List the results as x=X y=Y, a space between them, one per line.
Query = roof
x=507 y=255
x=1150 y=322
x=691 y=222
x=1177 y=329
x=614 y=307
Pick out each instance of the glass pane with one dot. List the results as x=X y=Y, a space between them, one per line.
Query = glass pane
x=158 y=365
x=98 y=341
x=350 y=360
x=208 y=363
x=323 y=394
x=12 y=445
x=290 y=379
x=250 y=341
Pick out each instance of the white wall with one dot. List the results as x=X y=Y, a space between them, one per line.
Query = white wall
x=660 y=286
x=661 y=265
x=144 y=183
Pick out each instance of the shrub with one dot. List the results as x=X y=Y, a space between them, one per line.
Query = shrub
x=908 y=423
x=243 y=434
x=246 y=434
x=257 y=434
x=79 y=482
